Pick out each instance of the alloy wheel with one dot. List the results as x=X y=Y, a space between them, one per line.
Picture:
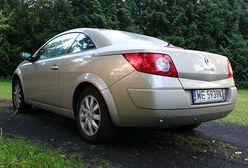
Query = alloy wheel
x=17 y=96
x=90 y=115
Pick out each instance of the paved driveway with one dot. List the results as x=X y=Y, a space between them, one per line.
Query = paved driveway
x=213 y=144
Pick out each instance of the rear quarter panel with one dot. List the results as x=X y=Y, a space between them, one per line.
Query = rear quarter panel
x=75 y=67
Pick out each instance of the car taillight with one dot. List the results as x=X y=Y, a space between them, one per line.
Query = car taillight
x=158 y=64
x=230 y=71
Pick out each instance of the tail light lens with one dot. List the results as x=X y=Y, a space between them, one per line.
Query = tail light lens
x=230 y=71
x=158 y=64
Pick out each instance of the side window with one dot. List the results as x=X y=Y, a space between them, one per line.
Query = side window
x=57 y=46
x=83 y=42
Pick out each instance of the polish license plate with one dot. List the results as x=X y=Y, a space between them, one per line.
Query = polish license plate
x=208 y=96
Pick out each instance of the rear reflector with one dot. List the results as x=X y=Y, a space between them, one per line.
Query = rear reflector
x=230 y=71
x=158 y=64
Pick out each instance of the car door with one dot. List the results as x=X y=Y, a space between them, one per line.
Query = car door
x=42 y=76
x=72 y=66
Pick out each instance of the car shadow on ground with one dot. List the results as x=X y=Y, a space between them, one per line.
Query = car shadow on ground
x=132 y=147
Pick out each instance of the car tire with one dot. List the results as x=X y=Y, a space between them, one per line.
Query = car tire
x=18 y=98
x=92 y=117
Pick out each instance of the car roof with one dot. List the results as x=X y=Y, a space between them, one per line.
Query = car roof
x=106 y=37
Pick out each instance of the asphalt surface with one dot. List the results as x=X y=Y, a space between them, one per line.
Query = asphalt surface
x=213 y=144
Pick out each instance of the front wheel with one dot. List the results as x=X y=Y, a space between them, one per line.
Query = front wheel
x=18 y=98
x=92 y=117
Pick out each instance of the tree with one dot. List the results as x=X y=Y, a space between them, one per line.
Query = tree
x=5 y=59
x=214 y=26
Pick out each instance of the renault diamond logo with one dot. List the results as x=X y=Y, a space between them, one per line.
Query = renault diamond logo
x=206 y=61
x=210 y=66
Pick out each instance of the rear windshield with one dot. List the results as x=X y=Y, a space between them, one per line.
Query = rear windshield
x=121 y=37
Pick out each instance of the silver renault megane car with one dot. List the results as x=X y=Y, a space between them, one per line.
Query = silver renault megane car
x=106 y=79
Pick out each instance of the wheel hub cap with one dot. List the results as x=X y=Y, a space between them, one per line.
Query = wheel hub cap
x=17 y=96
x=90 y=115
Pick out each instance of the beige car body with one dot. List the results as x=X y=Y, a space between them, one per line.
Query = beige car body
x=134 y=99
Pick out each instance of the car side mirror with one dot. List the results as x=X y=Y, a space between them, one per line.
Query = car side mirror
x=26 y=56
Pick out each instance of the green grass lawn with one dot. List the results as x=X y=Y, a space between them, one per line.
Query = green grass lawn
x=5 y=89
x=18 y=153
x=240 y=113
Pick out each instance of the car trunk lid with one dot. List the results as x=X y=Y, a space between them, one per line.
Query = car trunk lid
x=195 y=69
x=198 y=69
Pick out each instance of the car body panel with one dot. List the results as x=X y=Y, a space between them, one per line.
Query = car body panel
x=134 y=99
x=102 y=72
x=155 y=102
x=190 y=64
x=199 y=84
x=76 y=69
x=40 y=79
x=162 y=99
x=106 y=37
x=52 y=108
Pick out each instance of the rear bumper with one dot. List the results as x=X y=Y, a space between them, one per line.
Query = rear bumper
x=166 y=99
x=196 y=115
x=163 y=118
x=162 y=101
x=159 y=108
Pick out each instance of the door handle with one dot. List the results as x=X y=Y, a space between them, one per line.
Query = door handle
x=54 y=67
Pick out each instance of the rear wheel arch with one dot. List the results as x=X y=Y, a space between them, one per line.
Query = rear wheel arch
x=92 y=116
x=81 y=87
x=87 y=80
